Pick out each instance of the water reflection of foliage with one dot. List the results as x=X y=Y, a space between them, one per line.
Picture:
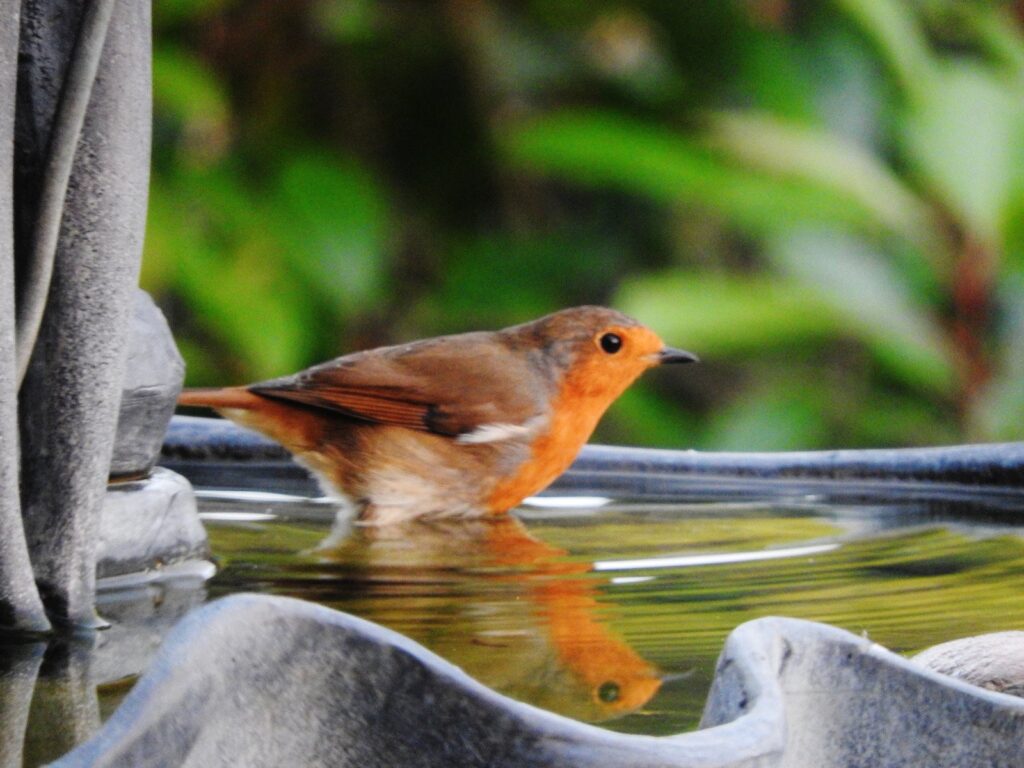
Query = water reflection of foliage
x=503 y=605
x=510 y=609
x=490 y=610
x=824 y=200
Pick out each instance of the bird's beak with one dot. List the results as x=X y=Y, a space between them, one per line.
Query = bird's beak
x=670 y=355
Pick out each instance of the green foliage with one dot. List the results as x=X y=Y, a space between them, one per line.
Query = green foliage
x=228 y=271
x=964 y=137
x=902 y=44
x=824 y=201
x=496 y=279
x=188 y=92
x=873 y=301
x=491 y=612
x=1001 y=407
x=825 y=162
x=609 y=150
x=339 y=232
x=785 y=414
x=168 y=12
x=724 y=315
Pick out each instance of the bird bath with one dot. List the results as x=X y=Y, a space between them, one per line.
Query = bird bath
x=584 y=606
x=605 y=607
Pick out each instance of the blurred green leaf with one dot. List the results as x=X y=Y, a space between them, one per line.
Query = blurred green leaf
x=999 y=413
x=722 y=315
x=348 y=20
x=892 y=26
x=500 y=279
x=883 y=417
x=177 y=11
x=201 y=362
x=642 y=417
x=964 y=136
x=187 y=92
x=784 y=414
x=821 y=158
x=873 y=300
x=333 y=218
x=1000 y=33
x=243 y=304
x=600 y=149
x=220 y=259
x=775 y=75
x=850 y=97
x=164 y=238
x=1014 y=253
x=580 y=145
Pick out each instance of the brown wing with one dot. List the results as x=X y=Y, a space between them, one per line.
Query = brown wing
x=448 y=386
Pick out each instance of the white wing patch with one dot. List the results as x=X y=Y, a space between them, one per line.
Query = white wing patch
x=496 y=433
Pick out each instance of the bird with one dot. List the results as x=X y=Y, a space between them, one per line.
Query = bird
x=466 y=425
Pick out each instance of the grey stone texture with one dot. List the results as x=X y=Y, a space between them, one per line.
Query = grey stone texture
x=822 y=697
x=20 y=606
x=994 y=661
x=995 y=464
x=69 y=399
x=148 y=524
x=269 y=681
x=153 y=377
x=142 y=608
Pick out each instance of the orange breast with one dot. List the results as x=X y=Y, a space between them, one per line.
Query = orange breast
x=576 y=409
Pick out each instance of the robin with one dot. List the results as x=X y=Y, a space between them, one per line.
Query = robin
x=463 y=425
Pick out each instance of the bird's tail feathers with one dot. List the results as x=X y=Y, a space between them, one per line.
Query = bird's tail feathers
x=220 y=397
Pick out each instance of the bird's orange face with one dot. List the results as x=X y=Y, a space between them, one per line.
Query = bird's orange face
x=599 y=354
x=605 y=365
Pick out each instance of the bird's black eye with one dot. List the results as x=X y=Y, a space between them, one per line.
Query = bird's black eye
x=611 y=343
x=608 y=692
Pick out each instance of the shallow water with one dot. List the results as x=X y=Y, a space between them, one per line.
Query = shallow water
x=607 y=611
x=614 y=612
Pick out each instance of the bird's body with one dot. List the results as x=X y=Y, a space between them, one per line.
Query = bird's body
x=459 y=425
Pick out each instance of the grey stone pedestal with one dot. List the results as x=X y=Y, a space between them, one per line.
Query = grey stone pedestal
x=147 y=524
x=149 y=517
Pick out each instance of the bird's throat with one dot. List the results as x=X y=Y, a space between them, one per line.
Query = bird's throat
x=575 y=412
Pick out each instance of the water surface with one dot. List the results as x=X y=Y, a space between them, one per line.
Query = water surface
x=612 y=612
x=615 y=612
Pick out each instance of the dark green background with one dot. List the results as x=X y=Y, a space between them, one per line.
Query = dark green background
x=822 y=199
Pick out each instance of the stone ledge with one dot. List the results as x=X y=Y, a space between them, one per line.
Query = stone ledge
x=146 y=524
x=214 y=453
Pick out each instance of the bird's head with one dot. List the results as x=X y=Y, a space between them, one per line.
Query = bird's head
x=599 y=351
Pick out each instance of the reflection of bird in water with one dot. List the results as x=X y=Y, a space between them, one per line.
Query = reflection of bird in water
x=520 y=617
x=618 y=679
x=457 y=426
